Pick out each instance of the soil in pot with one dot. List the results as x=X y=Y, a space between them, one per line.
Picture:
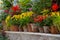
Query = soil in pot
x=14 y=28
x=32 y=28
x=41 y=30
x=54 y=30
x=46 y=29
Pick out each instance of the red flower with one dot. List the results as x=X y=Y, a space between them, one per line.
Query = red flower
x=55 y=7
x=38 y=19
x=15 y=8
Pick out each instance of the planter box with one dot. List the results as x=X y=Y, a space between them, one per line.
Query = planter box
x=31 y=36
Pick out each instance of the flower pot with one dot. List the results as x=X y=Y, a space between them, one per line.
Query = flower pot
x=32 y=28
x=14 y=28
x=25 y=28
x=46 y=29
x=53 y=30
x=4 y=25
x=20 y=29
x=41 y=29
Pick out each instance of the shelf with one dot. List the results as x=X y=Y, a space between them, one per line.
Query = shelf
x=31 y=33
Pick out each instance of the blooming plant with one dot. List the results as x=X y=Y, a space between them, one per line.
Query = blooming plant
x=55 y=7
x=39 y=20
x=20 y=19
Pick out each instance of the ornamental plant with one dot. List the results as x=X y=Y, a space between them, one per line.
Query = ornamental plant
x=55 y=7
x=39 y=20
x=14 y=20
x=48 y=21
x=56 y=22
x=39 y=5
x=24 y=21
x=15 y=10
x=7 y=4
x=25 y=18
x=20 y=19
x=25 y=5
x=3 y=16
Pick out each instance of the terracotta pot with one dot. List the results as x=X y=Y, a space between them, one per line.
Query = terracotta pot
x=32 y=28
x=46 y=29
x=53 y=30
x=4 y=25
x=20 y=29
x=25 y=28
x=14 y=28
x=41 y=29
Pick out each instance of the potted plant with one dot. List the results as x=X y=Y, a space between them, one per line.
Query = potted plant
x=56 y=23
x=39 y=21
x=47 y=23
x=39 y=5
x=23 y=23
x=13 y=22
x=2 y=19
x=25 y=18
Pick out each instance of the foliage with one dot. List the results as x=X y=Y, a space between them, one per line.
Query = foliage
x=12 y=20
x=1 y=26
x=38 y=5
x=56 y=22
x=45 y=11
x=48 y=21
x=39 y=20
x=20 y=19
x=7 y=3
x=25 y=5
x=3 y=16
x=3 y=37
x=25 y=21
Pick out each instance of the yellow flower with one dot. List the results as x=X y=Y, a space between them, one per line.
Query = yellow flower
x=30 y=13
x=57 y=13
x=8 y=18
x=21 y=16
x=53 y=13
x=16 y=16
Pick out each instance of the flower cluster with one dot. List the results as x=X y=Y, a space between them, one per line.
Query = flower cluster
x=39 y=18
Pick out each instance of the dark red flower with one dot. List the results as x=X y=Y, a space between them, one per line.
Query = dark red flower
x=15 y=8
x=55 y=7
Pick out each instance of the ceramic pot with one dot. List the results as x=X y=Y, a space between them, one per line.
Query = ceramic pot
x=32 y=28
x=20 y=29
x=25 y=28
x=4 y=25
x=53 y=30
x=46 y=29
x=41 y=29
x=14 y=28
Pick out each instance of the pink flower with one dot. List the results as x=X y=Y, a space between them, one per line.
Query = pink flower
x=30 y=9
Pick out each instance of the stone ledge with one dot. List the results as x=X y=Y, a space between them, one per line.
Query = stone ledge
x=31 y=33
